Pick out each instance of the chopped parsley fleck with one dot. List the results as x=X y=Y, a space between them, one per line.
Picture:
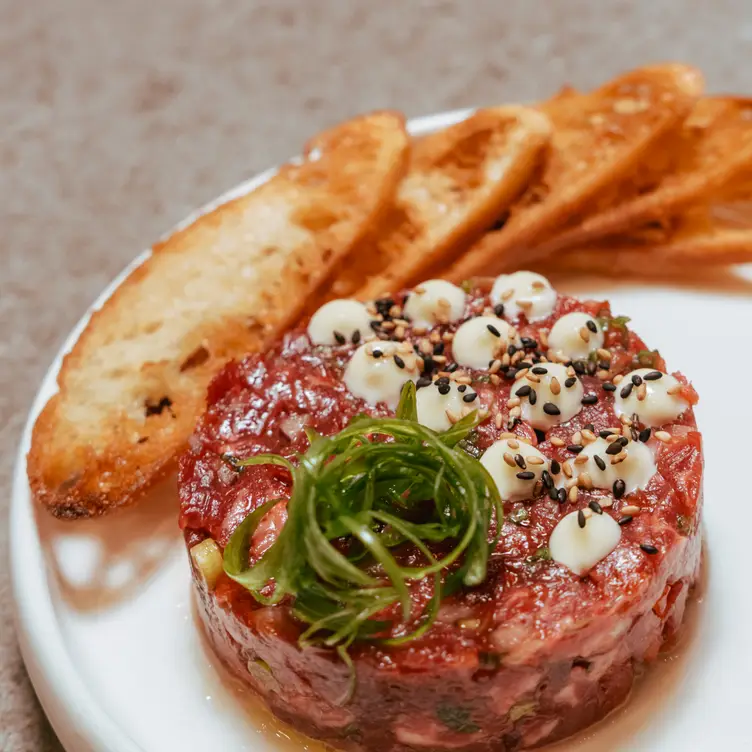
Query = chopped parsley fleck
x=467 y=286
x=457 y=718
x=646 y=359
x=542 y=554
x=519 y=515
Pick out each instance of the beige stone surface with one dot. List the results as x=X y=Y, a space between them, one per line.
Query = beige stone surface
x=119 y=117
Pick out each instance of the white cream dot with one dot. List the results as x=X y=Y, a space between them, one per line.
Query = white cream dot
x=343 y=317
x=541 y=414
x=506 y=476
x=379 y=379
x=581 y=548
x=435 y=301
x=572 y=338
x=524 y=292
x=480 y=340
x=650 y=400
x=636 y=470
x=436 y=410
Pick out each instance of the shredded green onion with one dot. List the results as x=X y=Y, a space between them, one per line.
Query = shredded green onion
x=357 y=497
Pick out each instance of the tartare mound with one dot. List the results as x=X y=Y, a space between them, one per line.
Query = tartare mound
x=591 y=445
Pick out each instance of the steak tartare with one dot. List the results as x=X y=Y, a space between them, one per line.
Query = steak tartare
x=531 y=617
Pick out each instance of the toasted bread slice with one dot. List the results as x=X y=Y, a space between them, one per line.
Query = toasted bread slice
x=713 y=152
x=702 y=238
x=459 y=180
x=134 y=383
x=599 y=140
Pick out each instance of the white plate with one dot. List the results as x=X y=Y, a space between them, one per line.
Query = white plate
x=105 y=612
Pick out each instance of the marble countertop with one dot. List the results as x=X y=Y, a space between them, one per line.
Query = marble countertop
x=117 y=119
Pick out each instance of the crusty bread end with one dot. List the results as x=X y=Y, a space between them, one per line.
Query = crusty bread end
x=133 y=384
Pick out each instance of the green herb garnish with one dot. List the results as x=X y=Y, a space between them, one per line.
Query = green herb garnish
x=467 y=285
x=519 y=515
x=541 y=554
x=356 y=496
x=457 y=719
x=646 y=359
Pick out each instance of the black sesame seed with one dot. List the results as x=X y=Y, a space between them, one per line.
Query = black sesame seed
x=540 y=435
x=499 y=309
x=570 y=382
x=383 y=305
x=619 y=488
x=529 y=343
x=461 y=388
x=469 y=397
x=438 y=348
x=540 y=370
x=596 y=507
x=532 y=398
x=429 y=364
x=592 y=368
x=589 y=399
x=511 y=350
x=377 y=353
x=604 y=434
x=524 y=390
x=550 y=409
x=609 y=387
x=375 y=325
x=636 y=379
x=627 y=390
x=575 y=448
x=553 y=494
x=355 y=337
x=592 y=326
x=520 y=460
x=526 y=475
x=442 y=380
x=623 y=440
x=604 y=364
x=614 y=447
x=562 y=495
x=644 y=434
x=581 y=520
x=648 y=548
x=589 y=427
x=626 y=519
x=555 y=467
x=599 y=461
x=423 y=381
x=510 y=374
x=653 y=376
x=579 y=367
x=399 y=362
x=339 y=338
x=445 y=389
x=546 y=479
x=524 y=364
x=491 y=328
x=452 y=368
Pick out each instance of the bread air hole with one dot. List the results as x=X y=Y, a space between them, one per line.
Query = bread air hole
x=197 y=358
x=152 y=407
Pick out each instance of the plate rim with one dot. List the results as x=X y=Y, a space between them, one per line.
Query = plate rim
x=75 y=715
